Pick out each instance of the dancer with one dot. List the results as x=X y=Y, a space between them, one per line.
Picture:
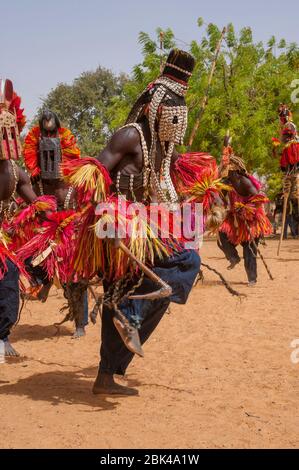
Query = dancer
x=289 y=139
x=13 y=181
x=289 y=165
x=145 y=168
x=140 y=157
x=246 y=220
x=46 y=147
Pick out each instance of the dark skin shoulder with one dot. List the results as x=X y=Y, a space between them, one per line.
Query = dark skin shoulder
x=24 y=188
x=242 y=184
x=123 y=152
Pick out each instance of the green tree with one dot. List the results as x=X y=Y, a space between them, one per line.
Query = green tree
x=250 y=80
x=82 y=106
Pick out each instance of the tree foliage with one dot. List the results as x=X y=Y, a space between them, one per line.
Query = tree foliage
x=83 y=106
x=250 y=80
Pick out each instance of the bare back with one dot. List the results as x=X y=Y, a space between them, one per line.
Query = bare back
x=242 y=184
x=124 y=156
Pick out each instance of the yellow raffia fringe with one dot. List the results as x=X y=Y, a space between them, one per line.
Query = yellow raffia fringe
x=89 y=247
x=200 y=187
x=89 y=178
x=143 y=243
x=240 y=205
x=146 y=246
x=41 y=205
x=4 y=238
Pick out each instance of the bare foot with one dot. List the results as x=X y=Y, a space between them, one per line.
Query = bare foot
x=105 y=385
x=79 y=333
x=9 y=351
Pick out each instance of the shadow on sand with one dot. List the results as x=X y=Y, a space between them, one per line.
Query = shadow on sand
x=38 y=332
x=213 y=283
x=62 y=387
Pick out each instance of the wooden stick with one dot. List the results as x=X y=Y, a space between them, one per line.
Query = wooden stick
x=224 y=281
x=164 y=291
x=286 y=195
x=206 y=95
x=97 y=306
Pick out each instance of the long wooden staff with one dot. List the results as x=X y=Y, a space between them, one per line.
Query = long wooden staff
x=206 y=95
x=286 y=194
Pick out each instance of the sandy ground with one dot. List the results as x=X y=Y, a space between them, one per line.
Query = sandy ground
x=217 y=372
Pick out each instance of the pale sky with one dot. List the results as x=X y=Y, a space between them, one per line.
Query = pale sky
x=43 y=44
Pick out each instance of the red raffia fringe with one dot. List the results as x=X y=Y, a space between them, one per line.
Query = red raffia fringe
x=290 y=154
x=7 y=254
x=68 y=143
x=90 y=179
x=26 y=222
x=196 y=178
x=15 y=106
x=54 y=244
x=190 y=167
x=251 y=211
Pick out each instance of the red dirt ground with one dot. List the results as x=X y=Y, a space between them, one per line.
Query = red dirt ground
x=216 y=373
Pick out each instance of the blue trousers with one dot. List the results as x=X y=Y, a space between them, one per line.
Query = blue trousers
x=249 y=254
x=290 y=222
x=84 y=322
x=9 y=300
x=179 y=272
x=85 y=318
